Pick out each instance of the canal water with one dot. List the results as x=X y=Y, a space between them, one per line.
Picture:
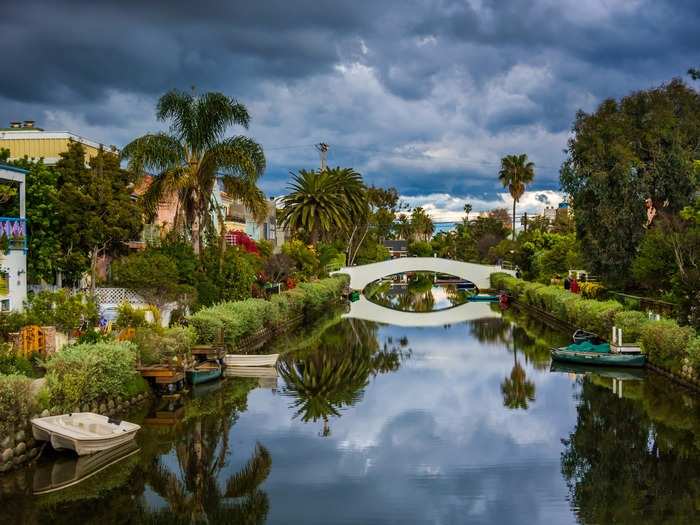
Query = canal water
x=371 y=424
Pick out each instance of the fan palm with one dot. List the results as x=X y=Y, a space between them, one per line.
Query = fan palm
x=515 y=174
x=321 y=202
x=188 y=160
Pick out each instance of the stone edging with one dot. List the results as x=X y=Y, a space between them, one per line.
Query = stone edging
x=18 y=447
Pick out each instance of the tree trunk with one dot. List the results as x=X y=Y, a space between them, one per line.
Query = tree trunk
x=514 y=202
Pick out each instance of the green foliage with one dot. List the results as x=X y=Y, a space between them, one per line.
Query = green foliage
x=11 y=363
x=666 y=343
x=43 y=223
x=130 y=317
x=61 y=309
x=171 y=345
x=420 y=249
x=631 y=324
x=94 y=208
x=228 y=274
x=654 y=265
x=371 y=251
x=640 y=147
x=592 y=290
x=242 y=318
x=515 y=174
x=151 y=274
x=16 y=401
x=89 y=373
x=305 y=259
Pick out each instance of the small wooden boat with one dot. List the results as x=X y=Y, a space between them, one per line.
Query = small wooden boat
x=83 y=432
x=266 y=375
x=250 y=360
x=203 y=372
x=67 y=471
x=483 y=298
x=587 y=353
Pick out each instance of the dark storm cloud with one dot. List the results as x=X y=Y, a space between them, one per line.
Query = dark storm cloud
x=455 y=83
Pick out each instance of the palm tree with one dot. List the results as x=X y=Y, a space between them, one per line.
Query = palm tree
x=189 y=159
x=467 y=210
x=515 y=174
x=321 y=202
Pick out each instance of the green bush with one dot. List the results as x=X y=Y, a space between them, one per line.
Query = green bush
x=11 y=363
x=16 y=401
x=88 y=373
x=239 y=319
x=631 y=323
x=61 y=309
x=130 y=317
x=155 y=345
x=666 y=343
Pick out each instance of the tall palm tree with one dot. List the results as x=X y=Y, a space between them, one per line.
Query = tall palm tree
x=515 y=174
x=322 y=202
x=189 y=159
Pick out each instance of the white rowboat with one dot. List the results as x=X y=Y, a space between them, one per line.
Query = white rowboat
x=250 y=360
x=83 y=432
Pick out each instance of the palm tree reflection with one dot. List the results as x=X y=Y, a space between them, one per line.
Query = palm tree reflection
x=517 y=391
x=332 y=375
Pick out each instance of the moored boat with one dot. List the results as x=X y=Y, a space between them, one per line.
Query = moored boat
x=203 y=373
x=250 y=360
x=588 y=353
x=483 y=298
x=83 y=432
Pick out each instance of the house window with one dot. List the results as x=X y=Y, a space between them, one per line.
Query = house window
x=5 y=305
x=271 y=233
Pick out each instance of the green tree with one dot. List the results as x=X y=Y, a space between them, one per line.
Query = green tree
x=94 y=210
x=517 y=391
x=43 y=226
x=641 y=147
x=188 y=161
x=322 y=204
x=421 y=224
x=152 y=275
x=515 y=174
x=467 y=210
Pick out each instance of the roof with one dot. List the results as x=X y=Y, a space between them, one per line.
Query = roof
x=13 y=168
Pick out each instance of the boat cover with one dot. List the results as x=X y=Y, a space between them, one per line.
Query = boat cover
x=587 y=346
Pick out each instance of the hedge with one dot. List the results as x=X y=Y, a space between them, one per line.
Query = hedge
x=667 y=344
x=16 y=401
x=239 y=319
x=88 y=373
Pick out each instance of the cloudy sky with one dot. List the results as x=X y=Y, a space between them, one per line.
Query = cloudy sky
x=425 y=95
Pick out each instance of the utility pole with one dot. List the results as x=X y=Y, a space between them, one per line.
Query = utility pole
x=322 y=148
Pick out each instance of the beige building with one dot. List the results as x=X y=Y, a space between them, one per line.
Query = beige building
x=25 y=139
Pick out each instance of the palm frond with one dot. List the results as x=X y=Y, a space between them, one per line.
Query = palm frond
x=156 y=153
x=252 y=475
x=177 y=106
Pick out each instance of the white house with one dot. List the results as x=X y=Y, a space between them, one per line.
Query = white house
x=13 y=245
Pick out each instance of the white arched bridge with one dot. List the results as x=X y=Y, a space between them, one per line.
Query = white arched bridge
x=361 y=276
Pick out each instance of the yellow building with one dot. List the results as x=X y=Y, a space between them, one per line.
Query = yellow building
x=24 y=138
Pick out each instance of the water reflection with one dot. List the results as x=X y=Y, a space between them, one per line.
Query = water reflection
x=418 y=292
x=467 y=423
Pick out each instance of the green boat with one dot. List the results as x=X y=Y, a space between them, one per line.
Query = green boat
x=483 y=298
x=588 y=353
x=204 y=373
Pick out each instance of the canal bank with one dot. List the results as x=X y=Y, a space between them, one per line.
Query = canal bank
x=466 y=423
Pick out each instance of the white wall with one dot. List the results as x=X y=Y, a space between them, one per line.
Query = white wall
x=15 y=263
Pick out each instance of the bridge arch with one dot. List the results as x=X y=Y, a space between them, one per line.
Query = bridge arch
x=361 y=276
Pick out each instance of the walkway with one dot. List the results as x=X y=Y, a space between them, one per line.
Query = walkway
x=361 y=276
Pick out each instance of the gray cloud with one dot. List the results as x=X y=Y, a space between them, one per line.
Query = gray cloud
x=425 y=95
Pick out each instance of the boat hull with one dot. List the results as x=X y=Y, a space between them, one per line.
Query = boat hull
x=197 y=377
x=64 y=436
x=598 y=358
x=250 y=360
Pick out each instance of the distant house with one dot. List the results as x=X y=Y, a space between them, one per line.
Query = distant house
x=397 y=248
x=13 y=237
x=25 y=139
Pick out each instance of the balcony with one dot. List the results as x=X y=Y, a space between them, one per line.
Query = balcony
x=13 y=233
x=240 y=219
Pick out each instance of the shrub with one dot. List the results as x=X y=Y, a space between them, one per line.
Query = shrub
x=631 y=324
x=242 y=318
x=61 y=309
x=16 y=401
x=666 y=343
x=88 y=373
x=591 y=290
x=11 y=363
x=155 y=345
x=130 y=317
